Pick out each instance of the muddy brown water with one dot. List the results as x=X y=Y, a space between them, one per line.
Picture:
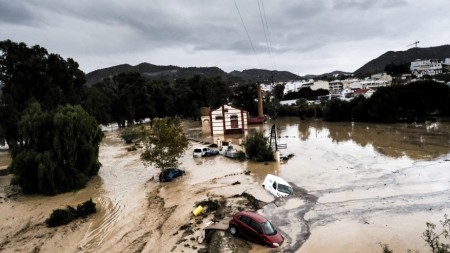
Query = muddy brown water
x=374 y=183
x=357 y=185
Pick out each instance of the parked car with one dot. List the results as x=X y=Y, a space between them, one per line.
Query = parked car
x=256 y=228
x=170 y=174
x=277 y=186
x=211 y=152
x=198 y=151
x=204 y=151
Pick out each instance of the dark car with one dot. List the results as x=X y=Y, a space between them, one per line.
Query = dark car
x=256 y=228
x=211 y=152
x=170 y=174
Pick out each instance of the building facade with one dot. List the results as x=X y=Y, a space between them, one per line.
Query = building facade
x=224 y=120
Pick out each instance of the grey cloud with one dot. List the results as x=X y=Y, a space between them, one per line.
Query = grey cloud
x=16 y=12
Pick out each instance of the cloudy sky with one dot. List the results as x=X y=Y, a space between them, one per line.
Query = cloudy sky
x=303 y=36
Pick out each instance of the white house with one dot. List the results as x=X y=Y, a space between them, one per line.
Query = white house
x=294 y=86
x=420 y=68
x=224 y=120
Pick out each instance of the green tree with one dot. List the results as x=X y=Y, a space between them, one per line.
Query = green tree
x=133 y=102
x=164 y=143
x=99 y=101
x=58 y=150
x=245 y=96
x=198 y=91
x=31 y=74
x=278 y=91
x=257 y=148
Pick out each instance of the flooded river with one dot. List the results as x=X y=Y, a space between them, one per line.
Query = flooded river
x=356 y=185
x=375 y=183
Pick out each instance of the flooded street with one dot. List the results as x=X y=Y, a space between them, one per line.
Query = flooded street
x=374 y=183
x=355 y=186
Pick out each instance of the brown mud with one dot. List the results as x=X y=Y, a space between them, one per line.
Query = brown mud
x=356 y=185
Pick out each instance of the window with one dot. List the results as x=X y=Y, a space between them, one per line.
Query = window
x=268 y=228
x=219 y=118
x=245 y=219
x=256 y=226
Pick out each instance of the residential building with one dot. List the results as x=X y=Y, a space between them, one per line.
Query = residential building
x=420 y=68
x=335 y=87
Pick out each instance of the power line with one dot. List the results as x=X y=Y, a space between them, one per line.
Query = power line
x=248 y=35
x=266 y=30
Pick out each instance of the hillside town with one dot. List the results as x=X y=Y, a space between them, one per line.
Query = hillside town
x=348 y=87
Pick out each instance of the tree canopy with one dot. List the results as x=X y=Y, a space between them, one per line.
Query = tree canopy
x=257 y=148
x=58 y=151
x=54 y=143
x=128 y=97
x=31 y=74
x=164 y=143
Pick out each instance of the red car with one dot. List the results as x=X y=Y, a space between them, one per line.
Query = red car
x=256 y=228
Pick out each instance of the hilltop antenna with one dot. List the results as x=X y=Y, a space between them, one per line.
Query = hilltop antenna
x=415 y=44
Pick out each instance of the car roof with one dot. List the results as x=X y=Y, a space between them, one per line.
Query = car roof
x=277 y=179
x=256 y=217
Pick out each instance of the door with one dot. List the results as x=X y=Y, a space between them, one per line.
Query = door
x=234 y=121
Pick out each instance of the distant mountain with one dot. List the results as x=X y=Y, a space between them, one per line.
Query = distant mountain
x=154 y=72
x=173 y=72
x=331 y=75
x=377 y=65
x=264 y=75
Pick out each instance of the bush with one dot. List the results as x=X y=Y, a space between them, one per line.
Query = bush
x=86 y=208
x=257 y=148
x=434 y=240
x=61 y=217
x=130 y=134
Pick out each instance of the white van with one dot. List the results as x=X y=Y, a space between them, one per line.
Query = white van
x=199 y=151
x=277 y=186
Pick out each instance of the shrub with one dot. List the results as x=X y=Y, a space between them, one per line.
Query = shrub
x=130 y=134
x=257 y=148
x=61 y=217
x=434 y=240
x=86 y=208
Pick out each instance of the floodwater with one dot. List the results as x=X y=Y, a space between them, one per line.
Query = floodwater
x=373 y=183
x=356 y=185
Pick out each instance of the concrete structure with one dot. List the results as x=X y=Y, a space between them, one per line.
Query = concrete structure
x=420 y=68
x=336 y=87
x=320 y=84
x=294 y=86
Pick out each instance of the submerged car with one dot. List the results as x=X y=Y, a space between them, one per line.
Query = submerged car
x=277 y=186
x=255 y=228
x=204 y=151
x=199 y=151
x=211 y=152
x=170 y=174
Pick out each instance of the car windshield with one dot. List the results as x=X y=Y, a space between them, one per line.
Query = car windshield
x=268 y=228
x=284 y=188
x=197 y=150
